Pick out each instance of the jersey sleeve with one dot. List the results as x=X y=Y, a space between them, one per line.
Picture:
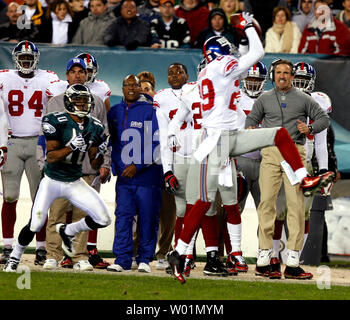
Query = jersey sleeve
x=51 y=127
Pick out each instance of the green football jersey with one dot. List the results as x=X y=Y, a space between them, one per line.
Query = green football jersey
x=61 y=127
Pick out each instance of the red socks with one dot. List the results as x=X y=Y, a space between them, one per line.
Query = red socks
x=8 y=218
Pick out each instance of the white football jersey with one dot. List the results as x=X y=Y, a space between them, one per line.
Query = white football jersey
x=220 y=92
x=318 y=142
x=98 y=88
x=167 y=102
x=56 y=87
x=244 y=106
x=25 y=100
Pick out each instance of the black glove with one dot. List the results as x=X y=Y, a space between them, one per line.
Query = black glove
x=171 y=183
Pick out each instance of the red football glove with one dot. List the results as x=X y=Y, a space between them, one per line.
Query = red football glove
x=171 y=183
x=246 y=21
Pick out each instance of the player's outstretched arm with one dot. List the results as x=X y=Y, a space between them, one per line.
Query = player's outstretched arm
x=256 y=49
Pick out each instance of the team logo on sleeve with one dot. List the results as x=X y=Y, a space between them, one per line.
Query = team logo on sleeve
x=48 y=128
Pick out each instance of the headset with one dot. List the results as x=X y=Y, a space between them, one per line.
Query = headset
x=276 y=63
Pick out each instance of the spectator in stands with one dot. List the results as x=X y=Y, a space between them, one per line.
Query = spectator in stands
x=284 y=36
x=196 y=14
x=325 y=34
x=80 y=12
x=58 y=27
x=129 y=30
x=262 y=11
x=173 y=32
x=9 y=30
x=92 y=29
x=34 y=16
x=344 y=15
x=114 y=5
x=149 y=10
x=218 y=26
x=230 y=7
x=304 y=15
x=139 y=181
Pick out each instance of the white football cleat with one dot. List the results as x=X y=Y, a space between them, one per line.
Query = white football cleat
x=11 y=265
x=83 y=265
x=117 y=268
x=50 y=264
x=264 y=258
x=293 y=259
x=144 y=267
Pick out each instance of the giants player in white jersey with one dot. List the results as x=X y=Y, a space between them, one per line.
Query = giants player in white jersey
x=23 y=93
x=219 y=89
x=97 y=87
x=186 y=123
x=304 y=80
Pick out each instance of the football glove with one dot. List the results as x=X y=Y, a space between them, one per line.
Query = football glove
x=3 y=151
x=78 y=143
x=246 y=21
x=173 y=143
x=171 y=183
x=103 y=147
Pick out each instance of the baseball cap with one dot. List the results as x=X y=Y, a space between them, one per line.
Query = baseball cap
x=165 y=1
x=76 y=61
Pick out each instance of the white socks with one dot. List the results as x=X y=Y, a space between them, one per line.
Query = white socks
x=73 y=228
x=235 y=233
x=17 y=251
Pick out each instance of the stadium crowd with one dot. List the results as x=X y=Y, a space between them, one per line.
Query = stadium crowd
x=154 y=194
x=288 y=26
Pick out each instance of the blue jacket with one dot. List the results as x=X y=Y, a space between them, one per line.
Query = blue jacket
x=135 y=139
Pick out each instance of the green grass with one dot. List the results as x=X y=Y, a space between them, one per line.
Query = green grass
x=77 y=286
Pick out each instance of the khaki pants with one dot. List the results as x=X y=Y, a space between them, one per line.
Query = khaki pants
x=270 y=180
x=58 y=215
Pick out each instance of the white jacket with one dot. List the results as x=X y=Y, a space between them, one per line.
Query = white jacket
x=273 y=42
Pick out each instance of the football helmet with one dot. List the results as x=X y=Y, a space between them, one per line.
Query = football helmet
x=25 y=56
x=201 y=66
x=78 y=100
x=255 y=80
x=218 y=46
x=304 y=78
x=91 y=66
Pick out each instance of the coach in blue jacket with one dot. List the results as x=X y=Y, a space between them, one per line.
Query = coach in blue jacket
x=135 y=160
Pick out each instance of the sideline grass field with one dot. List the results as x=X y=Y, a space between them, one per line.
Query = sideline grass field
x=84 y=286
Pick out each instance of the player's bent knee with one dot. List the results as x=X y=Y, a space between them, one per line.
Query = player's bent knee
x=101 y=223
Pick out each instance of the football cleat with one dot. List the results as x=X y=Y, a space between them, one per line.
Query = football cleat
x=297 y=273
x=11 y=265
x=176 y=263
x=264 y=258
x=214 y=266
x=40 y=256
x=310 y=185
x=66 y=262
x=275 y=269
x=6 y=251
x=67 y=241
x=237 y=260
x=189 y=265
x=50 y=264
x=262 y=271
x=96 y=261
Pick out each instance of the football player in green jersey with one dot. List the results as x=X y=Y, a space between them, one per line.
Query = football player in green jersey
x=69 y=137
